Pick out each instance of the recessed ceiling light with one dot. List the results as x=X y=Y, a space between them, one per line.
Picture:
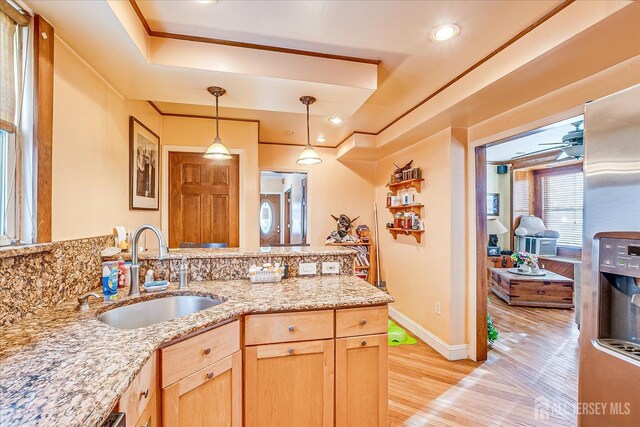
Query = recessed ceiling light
x=321 y=139
x=445 y=32
x=335 y=120
x=206 y=1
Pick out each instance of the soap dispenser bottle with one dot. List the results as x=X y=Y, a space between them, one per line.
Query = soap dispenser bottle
x=183 y=279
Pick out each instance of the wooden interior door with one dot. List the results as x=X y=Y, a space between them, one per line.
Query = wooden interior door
x=203 y=199
x=211 y=397
x=362 y=381
x=270 y=235
x=289 y=384
x=287 y=216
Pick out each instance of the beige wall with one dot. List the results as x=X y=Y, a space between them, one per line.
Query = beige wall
x=333 y=187
x=241 y=138
x=419 y=275
x=90 y=182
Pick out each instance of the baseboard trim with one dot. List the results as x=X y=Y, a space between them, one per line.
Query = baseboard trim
x=451 y=352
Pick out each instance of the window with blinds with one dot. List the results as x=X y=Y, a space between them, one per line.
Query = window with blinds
x=521 y=194
x=562 y=205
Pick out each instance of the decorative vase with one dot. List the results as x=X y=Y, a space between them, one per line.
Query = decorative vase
x=535 y=269
x=526 y=268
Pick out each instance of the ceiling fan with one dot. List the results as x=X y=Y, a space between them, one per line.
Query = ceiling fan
x=572 y=145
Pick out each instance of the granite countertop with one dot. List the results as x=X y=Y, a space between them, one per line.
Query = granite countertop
x=280 y=251
x=67 y=368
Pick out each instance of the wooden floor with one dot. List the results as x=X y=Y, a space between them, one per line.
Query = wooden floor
x=536 y=355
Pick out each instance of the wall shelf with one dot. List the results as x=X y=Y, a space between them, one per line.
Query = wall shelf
x=415 y=233
x=405 y=185
x=407 y=208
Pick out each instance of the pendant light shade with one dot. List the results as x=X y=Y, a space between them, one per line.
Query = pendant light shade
x=309 y=156
x=217 y=150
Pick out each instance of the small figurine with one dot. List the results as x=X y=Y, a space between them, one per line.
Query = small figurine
x=342 y=234
x=362 y=231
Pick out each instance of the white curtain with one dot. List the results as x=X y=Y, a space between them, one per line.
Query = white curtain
x=26 y=196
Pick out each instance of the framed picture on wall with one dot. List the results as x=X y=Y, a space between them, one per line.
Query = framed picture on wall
x=493 y=204
x=144 y=167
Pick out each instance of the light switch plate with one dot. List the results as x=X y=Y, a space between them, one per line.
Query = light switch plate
x=331 y=267
x=307 y=269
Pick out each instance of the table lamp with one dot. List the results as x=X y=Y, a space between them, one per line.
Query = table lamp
x=494 y=227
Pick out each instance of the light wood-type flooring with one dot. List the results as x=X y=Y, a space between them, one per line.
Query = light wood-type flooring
x=536 y=355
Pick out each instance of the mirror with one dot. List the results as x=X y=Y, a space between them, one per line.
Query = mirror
x=283 y=208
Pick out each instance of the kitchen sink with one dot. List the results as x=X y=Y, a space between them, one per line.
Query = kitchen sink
x=147 y=313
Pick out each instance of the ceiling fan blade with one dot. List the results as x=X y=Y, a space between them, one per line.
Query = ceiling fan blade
x=554 y=143
x=534 y=152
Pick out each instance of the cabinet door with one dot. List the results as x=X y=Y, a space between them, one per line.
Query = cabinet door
x=362 y=381
x=211 y=397
x=289 y=384
x=150 y=417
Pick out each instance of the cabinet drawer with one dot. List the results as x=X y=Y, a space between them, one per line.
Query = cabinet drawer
x=284 y=327
x=540 y=288
x=189 y=356
x=361 y=321
x=141 y=390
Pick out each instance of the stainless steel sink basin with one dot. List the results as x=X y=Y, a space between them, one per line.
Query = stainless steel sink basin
x=146 y=313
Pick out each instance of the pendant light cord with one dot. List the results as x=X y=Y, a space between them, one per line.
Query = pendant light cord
x=308 y=131
x=217 y=134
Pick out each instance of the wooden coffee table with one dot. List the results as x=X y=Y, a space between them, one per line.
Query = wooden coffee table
x=551 y=290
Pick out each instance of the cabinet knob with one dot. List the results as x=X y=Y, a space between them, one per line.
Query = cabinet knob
x=144 y=394
x=207 y=350
x=363 y=321
x=290 y=350
x=540 y=292
x=210 y=375
x=292 y=328
x=363 y=343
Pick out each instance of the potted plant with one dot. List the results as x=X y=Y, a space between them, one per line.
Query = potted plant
x=492 y=332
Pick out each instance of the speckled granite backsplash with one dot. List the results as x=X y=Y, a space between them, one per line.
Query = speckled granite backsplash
x=41 y=276
x=235 y=268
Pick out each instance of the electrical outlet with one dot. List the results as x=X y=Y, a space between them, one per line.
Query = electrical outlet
x=307 y=269
x=438 y=308
x=330 y=268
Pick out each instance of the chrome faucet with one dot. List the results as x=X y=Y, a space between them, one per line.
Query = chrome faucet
x=134 y=290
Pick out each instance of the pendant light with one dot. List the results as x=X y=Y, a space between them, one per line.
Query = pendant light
x=217 y=150
x=309 y=156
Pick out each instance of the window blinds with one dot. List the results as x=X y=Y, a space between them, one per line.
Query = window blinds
x=562 y=206
x=7 y=74
x=521 y=193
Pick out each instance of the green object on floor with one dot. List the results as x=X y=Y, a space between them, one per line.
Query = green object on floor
x=398 y=336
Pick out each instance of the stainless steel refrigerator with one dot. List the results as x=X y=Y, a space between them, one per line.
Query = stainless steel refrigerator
x=609 y=377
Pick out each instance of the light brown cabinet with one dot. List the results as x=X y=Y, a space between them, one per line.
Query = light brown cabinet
x=289 y=384
x=362 y=381
x=202 y=379
x=209 y=397
x=150 y=417
x=140 y=401
x=299 y=371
